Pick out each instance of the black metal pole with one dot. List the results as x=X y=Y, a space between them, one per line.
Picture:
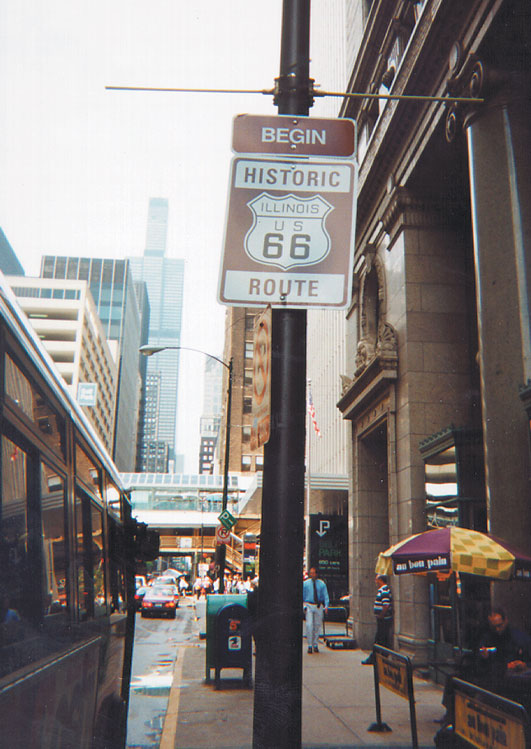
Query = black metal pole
x=226 y=477
x=278 y=678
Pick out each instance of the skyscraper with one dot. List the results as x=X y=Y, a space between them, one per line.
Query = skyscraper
x=163 y=278
x=211 y=416
x=157 y=227
x=111 y=286
x=9 y=262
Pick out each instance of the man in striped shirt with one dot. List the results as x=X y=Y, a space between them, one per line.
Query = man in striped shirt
x=383 y=611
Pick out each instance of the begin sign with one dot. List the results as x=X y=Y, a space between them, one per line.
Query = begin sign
x=294 y=135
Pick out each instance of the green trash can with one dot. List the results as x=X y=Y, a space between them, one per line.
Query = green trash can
x=215 y=602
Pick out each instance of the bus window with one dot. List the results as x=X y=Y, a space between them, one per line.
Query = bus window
x=82 y=563
x=90 y=559
x=98 y=561
x=87 y=471
x=35 y=407
x=53 y=535
x=14 y=525
x=113 y=498
x=116 y=567
x=16 y=598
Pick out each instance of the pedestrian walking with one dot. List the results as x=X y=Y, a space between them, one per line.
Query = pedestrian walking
x=316 y=601
x=383 y=611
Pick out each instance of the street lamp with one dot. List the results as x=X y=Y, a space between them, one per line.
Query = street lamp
x=148 y=350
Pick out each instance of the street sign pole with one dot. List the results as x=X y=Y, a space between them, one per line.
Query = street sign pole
x=278 y=682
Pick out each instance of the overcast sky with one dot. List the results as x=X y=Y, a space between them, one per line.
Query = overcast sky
x=78 y=164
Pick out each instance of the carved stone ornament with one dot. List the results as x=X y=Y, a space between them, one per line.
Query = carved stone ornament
x=376 y=369
x=387 y=344
x=473 y=77
x=364 y=355
x=346 y=383
x=386 y=349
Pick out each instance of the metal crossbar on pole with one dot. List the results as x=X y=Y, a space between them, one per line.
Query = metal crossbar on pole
x=315 y=92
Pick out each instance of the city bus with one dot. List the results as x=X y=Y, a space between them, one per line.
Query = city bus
x=68 y=546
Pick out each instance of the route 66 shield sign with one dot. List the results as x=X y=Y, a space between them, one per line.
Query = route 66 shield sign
x=288 y=231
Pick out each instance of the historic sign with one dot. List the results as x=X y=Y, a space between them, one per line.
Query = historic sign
x=289 y=237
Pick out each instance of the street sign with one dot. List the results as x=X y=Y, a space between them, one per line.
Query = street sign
x=294 y=135
x=87 y=393
x=222 y=535
x=261 y=405
x=289 y=237
x=226 y=519
x=249 y=555
x=328 y=551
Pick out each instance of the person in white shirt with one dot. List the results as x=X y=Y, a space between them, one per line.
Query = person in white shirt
x=316 y=601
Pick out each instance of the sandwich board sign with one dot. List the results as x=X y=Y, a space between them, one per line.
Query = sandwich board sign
x=289 y=236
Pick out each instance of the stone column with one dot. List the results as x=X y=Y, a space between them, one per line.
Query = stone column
x=499 y=146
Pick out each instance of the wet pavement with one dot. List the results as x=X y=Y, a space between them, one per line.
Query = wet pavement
x=155 y=650
x=173 y=707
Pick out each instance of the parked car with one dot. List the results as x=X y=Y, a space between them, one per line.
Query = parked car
x=140 y=581
x=159 y=600
x=139 y=596
x=168 y=579
x=159 y=583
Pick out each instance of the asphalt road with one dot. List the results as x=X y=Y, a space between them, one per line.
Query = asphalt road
x=156 y=642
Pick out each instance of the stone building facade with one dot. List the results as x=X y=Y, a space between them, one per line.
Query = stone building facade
x=438 y=334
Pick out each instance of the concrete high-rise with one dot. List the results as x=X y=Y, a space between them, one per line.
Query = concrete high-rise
x=63 y=315
x=111 y=285
x=163 y=278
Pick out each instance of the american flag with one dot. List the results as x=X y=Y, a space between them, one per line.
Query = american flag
x=311 y=411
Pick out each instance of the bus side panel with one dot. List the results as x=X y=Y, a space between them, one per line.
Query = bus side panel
x=52 y=707
x=109 y=726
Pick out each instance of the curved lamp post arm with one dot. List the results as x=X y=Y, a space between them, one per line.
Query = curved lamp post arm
x=148 y=350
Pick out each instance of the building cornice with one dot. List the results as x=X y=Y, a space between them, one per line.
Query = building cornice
x=423 y=70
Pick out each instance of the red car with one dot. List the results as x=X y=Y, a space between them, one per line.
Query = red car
x=159 y=600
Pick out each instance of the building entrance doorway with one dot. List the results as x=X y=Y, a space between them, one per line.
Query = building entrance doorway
x=373 y=478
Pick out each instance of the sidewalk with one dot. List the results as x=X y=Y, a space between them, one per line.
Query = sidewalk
x=338 y=705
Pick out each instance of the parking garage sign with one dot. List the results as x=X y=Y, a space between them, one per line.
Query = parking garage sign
x=289 y=237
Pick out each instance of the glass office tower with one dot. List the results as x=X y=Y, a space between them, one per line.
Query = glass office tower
x=9 y=262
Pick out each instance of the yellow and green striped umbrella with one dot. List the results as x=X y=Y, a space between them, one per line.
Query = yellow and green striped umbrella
x=457 y=549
